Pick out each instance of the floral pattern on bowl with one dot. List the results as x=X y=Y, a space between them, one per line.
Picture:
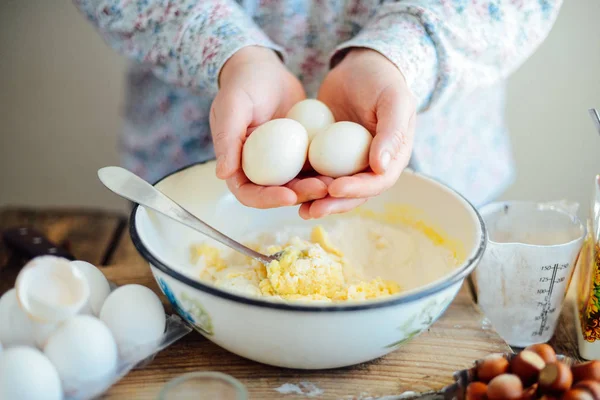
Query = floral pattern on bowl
x=190 y=309
x=420 y=322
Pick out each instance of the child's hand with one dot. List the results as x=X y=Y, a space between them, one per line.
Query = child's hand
x=255 y=87
x=368 y=89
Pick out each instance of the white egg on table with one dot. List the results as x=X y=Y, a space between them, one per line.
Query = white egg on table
x=27 y=374
x=314 y=115
x=275 y=152
x=99 y=287
x=136 y=318
x=15 y=326
x=340 y=150
x=83 y=351
x=50 y=289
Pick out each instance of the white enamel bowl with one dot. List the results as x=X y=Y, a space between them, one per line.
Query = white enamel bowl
x=292 y=335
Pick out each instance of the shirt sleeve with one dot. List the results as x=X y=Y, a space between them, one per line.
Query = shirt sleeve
x=186 y=42
x=445 y=48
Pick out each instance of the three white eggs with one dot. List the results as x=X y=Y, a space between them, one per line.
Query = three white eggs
x=275 y=152
x=63 y=329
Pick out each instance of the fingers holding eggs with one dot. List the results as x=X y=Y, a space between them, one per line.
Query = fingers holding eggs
x=328 y=206
x=309 y=188
x=278 y=157
x=262 y=197
x=364 y=184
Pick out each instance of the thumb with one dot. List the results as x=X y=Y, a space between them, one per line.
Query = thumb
x=393 y=137
x=230 y=116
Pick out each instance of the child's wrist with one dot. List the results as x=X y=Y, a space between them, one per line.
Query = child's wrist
x=244 y=56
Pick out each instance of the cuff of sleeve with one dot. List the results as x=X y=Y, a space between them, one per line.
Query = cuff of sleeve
x=210 y=40
x=403 y=40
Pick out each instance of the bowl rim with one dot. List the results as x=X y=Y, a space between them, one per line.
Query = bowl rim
x=457 y=275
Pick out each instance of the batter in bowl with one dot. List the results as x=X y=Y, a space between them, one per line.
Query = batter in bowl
x=353 y=259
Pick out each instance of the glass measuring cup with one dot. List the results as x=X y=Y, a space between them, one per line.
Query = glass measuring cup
x=526 y=269
x=203 y=386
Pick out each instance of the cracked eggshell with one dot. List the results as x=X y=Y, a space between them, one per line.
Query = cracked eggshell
x=15 y=326
x=50 y=289
x=27 y=374
x=314 y=115
x=275 y=152
x=83 y=351
x=99 y=287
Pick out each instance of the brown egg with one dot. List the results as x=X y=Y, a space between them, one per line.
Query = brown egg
x=530 y=393
x=527 y=366
x=586 y=371
x=543 y=350
x=556 y=377
x=592 y=387
x=476 y=391
x=505 y=387
x=491 y=366
x=577 y=394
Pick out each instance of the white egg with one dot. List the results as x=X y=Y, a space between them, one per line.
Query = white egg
x=99 y=287
x=15 y=326
x=340 y=150
x=27 y=374
x=275 y=152
x=136 y=317
x=42 y=332
x=83 y=351
x=50 y=289
x=313 y=114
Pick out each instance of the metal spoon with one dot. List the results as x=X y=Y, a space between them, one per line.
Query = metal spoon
x=130 y=186
x=595 y=118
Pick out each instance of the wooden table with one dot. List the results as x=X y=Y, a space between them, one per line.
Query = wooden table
x=426 y=363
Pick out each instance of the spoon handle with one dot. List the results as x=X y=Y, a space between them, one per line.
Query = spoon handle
x=130 y=186
x=595 y=118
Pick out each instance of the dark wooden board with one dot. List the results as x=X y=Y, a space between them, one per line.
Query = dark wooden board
x=89 y=235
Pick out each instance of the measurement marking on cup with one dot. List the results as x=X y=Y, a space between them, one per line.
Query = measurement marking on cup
x=546 y=303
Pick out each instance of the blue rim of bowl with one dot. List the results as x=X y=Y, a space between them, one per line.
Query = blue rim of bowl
x=458 y=275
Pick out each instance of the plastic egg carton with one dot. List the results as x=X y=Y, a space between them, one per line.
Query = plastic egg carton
x=134 y=358
x=63 y=362
x=175 y=329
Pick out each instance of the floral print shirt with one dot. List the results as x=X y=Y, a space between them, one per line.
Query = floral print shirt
x=455 y=55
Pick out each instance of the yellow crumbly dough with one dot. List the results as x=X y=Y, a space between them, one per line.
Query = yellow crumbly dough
x=210 y=254
x=308 y=270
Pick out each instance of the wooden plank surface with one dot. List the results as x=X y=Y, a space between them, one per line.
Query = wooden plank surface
x=564 y=339
x=459 y=337
x=88 y=234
